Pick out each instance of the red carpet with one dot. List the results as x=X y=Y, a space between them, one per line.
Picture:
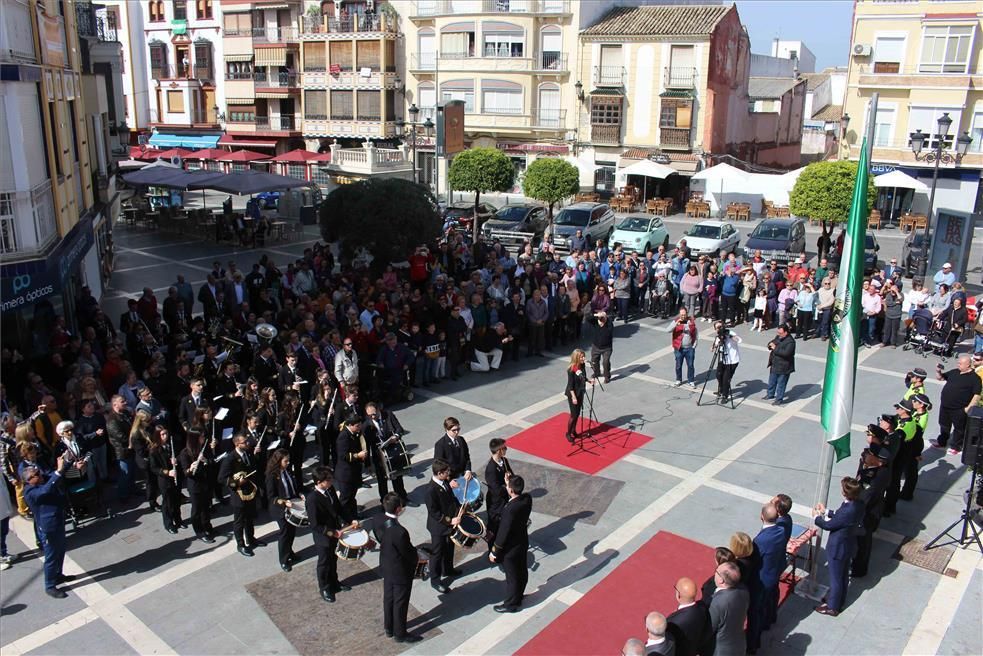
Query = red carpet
x=547 y=440
x=615 y=609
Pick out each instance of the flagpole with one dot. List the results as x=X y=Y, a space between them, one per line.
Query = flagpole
x=841 y=359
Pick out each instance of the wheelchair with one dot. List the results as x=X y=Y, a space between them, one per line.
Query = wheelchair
x=384 y=386
x=83 y=495
x=934 y=342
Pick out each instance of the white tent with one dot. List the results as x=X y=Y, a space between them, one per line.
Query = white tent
x=586 y=169
x=774 y=187
x=723 y=184
x=646 y=168
x=899 y=179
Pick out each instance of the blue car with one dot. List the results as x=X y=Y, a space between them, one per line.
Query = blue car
x=268 y=199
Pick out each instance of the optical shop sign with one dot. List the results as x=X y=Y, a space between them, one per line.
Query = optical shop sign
x=25 y=283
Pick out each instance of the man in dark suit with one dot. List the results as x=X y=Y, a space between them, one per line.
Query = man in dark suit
x=689 y=624
x=190 y=403
x=442 y=517
x=497 y=473
x=511 y=546
x=770 y=542
x=208 y=295
x=398 y=563
x=236 y=473
x=842 y=543
x=783 y=504
x=452 y=449
x=659 y=643
x=328 y=519
x=728 y=611
x=352 y=455
x=46 y=499
x=265 y=369
x=129 y=318
x=376 y=432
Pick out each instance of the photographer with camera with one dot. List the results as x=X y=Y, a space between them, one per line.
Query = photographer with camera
x=684 y=336
x=726 y=344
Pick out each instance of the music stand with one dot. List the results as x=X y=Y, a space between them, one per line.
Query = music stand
x=585 y=433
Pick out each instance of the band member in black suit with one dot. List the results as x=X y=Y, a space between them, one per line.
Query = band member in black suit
x=163 y=464
x=291 y=379
x=452 y=449
x=498 y=471
x=398 y=563
x=237 y=469
x=576 y=388
x=327 y=518
x=290 y=429
x=196 y=461
x=188 y=404
x=283 y=491
x=352 y=456
x=265 y=369
x=228 y=386
x=511 y=546
x=259 y=440
x=326 y=402
x=376 y=431
x=442 y=517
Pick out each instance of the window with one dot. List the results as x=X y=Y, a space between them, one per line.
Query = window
x=551 y=43
x=340 y=55
x=203 y=60
x=240 y=113
x=884 y=126
x=8 y=224
x=605 y=110
x=504 y=44
x=181 y=10
x=390 y=56
x=183 y=61
x=926 y=119
x=461 y=90
x=321 y=177
x=369 y=106
x=238 y=70
x=457 y=45
x=611 y=71
x=175 y=102
x=368 y=55
x=238 y=167
x=314 y=56
x=75 y=133
x=155 y=10
x=888 y=54
x=390 y=105
x=427 y=49
x=298 y=171
x=675 y=113
x=501 y=98
x=55 y=146
x=316 y=105
x=426 y=100
x=977 y=133
x=341 y=106
x=158 y=61
x=945 y=49
x=203 y=9
x=237 y=24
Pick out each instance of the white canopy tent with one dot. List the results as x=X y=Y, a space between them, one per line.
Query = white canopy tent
x=900 y=180
x=647 y=169
x=586 y=169
x=722 y=184
x=774 y=187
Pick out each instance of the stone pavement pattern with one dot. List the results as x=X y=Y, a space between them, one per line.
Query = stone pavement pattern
x=704 y=475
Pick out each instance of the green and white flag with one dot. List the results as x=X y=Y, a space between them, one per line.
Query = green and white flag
x=841 y=359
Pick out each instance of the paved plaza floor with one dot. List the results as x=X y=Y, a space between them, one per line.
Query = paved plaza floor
x=703 y=475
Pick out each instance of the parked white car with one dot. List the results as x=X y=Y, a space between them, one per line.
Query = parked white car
x=710 y=237
x=639 y=232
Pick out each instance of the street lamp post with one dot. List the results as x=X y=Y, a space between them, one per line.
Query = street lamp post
x=936 y=155
x=414 y=112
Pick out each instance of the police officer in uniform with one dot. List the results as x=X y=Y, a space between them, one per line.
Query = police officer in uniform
x=874 y=476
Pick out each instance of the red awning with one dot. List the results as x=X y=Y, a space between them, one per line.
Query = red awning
x=542 y=148
x=207 y=153
x=242 y=156
x=144 y=152
x=300 y=155
x=175 y=152
x=248 y=141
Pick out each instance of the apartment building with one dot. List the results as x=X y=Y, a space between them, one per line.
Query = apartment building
x=822 y=113
x=923 y=59
x=48 y=188
x=512 y=62
x=671 y=83
x=261 y=60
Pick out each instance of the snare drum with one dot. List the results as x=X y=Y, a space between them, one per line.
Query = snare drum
x=352 y=545
x=296 y=516
x=395 y=460
x=468 y=493
x=423 y=554
x=469 y=531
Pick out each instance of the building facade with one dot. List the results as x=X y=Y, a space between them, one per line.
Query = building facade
x=50 y=192
x=924 y=59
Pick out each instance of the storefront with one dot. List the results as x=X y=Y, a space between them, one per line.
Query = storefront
x=957 y=189
x=35 y=292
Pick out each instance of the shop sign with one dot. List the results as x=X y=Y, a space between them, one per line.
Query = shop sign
x=20 y=289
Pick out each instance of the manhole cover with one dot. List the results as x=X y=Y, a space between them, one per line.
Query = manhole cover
x=935 y=559
x=130 y=539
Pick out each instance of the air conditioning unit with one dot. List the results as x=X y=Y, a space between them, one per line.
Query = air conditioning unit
x=861 y=50
x=177 y=161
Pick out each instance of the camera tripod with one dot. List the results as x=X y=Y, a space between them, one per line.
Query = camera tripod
x=715 y=359
x=585 y=432
x=966 y=518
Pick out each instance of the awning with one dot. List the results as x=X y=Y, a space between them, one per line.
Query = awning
x=273 y=94
x=238 y=58
x=239 y=101
x=160 y=140
x=271 y=56
x=608 y=91
x=248 y=141
x=676 y=93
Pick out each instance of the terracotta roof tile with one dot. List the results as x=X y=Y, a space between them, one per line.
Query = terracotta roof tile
x=659 y=20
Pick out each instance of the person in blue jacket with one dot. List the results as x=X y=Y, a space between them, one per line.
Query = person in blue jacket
x=45 y=495
x=842 y=525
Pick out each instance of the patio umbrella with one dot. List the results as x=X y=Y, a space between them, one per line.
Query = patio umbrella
x=300 y=155
x=175 y=152
x=143 y=152
x=247 y=183
x=898 y=180
x=208 y=153
x=242 y=156
x=647 y=169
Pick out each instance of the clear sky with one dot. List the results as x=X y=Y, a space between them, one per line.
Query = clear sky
x=823 y=25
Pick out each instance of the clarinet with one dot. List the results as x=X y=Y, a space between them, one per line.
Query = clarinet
x=170 y=442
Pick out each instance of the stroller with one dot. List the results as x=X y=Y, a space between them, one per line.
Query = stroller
x=935 y=339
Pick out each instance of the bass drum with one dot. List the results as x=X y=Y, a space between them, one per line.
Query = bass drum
x=395 y=460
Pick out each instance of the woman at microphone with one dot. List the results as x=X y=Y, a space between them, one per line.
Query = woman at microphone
x=576 y=387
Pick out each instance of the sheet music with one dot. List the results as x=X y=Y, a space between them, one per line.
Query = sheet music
x=274 y=444
x=222 y=414
x=227 y=433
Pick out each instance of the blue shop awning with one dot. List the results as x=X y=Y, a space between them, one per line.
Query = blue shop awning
x=160 y=140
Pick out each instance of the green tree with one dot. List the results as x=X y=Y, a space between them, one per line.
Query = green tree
x=824 y=191
x=551 y=179
x=387 y=217
x=481 y=170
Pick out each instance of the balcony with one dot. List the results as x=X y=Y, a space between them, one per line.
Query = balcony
x=609 y=76
x=27 y=223
x=278 y=34
x=239 y=77
x=423 y=61
x=542 y=119
x=491 y=60
x=323 y=25
x=368 y=160
x=676 y=77
x=160 y=72
x=274 y=80
x=552 y=61
x=346 y=127
x=550 y=119
x=675 y=139
x=349 y=79
x=426 y=8
x=892 y=74
x=94 y=27
x=605 y=134
x=275 y=123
